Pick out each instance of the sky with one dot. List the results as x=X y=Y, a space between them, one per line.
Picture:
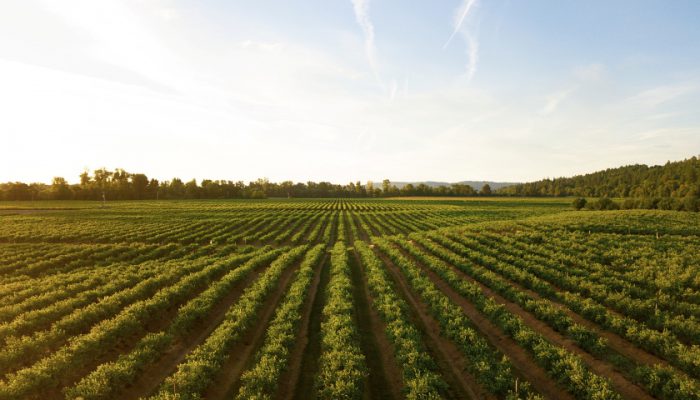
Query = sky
x=346 y=90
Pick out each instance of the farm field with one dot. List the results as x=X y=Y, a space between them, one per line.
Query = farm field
x=347 y=299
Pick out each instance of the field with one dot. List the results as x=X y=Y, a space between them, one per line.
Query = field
x=347 y=299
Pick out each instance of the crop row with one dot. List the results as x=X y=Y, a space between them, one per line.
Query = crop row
x=594 y=306
x=342 y=363
x=490 y=368
x=262 y=379
x=109 y=378
x=656 y=380
x=82 y=350
x=199 y=369
x=420 y=377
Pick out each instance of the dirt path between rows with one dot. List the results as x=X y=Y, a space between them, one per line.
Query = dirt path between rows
x=290 y=379
x=557 y=288
x=615 y=341
x=151 y=378
x=364 y=236
x=373 y=230
x=299 y=382
x=385 y=379
x=125 y=345
x=242 y=355
x=450 y=360
x=604 y=369
x=520 y=359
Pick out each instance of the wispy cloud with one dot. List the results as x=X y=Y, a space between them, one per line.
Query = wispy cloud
x=589 y=73
x=361 y=8
x=554 y=100
x=661 y=94
x=461 y=15
x=473 y=49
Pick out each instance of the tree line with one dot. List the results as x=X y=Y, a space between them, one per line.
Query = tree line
x=675 y=185
x=119 y=184
x=673 y=180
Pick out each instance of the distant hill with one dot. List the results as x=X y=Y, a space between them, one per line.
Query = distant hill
x=673 y=179
x=475 y=184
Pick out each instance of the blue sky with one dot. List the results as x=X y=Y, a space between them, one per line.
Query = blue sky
x=346 y=90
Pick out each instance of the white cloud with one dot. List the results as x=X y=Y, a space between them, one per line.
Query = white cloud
x=150 y=87
x=662 y=94
x=460 y=16
x=361 y=9
x=554 y=100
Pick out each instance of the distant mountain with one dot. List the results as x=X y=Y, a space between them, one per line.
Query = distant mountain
x=475 y=184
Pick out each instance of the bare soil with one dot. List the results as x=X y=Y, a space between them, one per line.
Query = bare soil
x=150 y=379
x=125 y=345
x=626 y=388
x=450 y=360
x=242 y=355
x=302 y=387
x=522 y=362
x=290 y=380
x=615 y=341
x=385 y=378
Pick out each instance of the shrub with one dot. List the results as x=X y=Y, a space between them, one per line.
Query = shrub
x=579 y=203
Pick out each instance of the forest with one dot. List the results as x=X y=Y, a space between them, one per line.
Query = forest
x=673 y=179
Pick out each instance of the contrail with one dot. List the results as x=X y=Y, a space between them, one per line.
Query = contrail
x=361 y=8
x=467 y=6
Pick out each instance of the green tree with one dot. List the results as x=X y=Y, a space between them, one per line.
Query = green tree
x=370 y=188
x=60 y=189
x=192 y=190
x=139 y=183
x=579 y=203
x=386 y=187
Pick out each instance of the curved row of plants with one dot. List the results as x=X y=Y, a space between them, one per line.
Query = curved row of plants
x=541 y=279
x=419 y=371
x=262 y=379
x=108 y=379
x=560 y=364
x=655 y=380
x=50 y=371
x=492 y=370
x=196 y=373
x=677 y=316
x=22 y=351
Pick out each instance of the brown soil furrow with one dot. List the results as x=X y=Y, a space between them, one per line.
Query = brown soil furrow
x=626 y=388
x=385 y=377
x=303 y=385
x=364 y=236
x=149 y=380
x=608 y=307
x=125 y=345
x=615 y=341
x=519 y=358
x=290 y=379
x=243 y=352
x=447 y=355
x=373 y=229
